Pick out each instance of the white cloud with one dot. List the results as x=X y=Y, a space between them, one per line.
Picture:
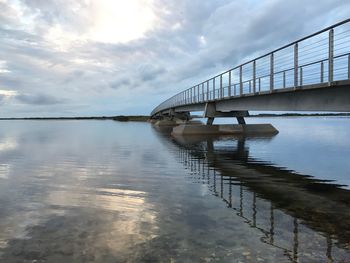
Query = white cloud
x=118 y=21
x=3 y=67
x=8 y=93
x=202 y=40
x=106 y=21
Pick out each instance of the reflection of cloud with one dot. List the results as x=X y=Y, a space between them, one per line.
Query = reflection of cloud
x=109 y=199
x=8 y=144
x=4 y=171
x=131 y=205
x=327 y=130
x=84 y=235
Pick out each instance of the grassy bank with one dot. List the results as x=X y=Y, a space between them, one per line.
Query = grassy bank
x=131 y=118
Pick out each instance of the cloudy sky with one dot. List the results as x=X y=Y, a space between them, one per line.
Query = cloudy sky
x=110 y=57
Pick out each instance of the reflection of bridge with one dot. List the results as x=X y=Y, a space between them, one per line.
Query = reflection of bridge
x=286 y=208
x=310 y=74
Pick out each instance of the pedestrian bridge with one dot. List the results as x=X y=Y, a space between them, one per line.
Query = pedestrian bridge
x=310 y=74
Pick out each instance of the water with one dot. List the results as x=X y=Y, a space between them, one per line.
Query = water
x=103 y=191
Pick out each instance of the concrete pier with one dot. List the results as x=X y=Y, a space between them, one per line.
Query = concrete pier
x=165 y=122
x=175 y=122
x=235 y=129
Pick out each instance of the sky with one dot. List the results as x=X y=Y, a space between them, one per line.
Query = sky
x=113 y=57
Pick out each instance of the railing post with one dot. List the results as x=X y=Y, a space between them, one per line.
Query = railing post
x=284 y=79
x=213 y=88
x=198 y=97
x=194 y=94
x=330 y=56
x=322 y=70
x=229 y=83
x=221 y=91
x=254 y=76
x=208 y=98
x=296 y=65
x=301 y=76
x=271 y=73
x=240 y=81
x=259 y=84
x=191 y=95
x=348 y=66
x=203 y=91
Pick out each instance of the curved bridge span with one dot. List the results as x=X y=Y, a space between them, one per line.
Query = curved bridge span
x=310 y=74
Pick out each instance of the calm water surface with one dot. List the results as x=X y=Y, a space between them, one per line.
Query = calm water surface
x=103 y=191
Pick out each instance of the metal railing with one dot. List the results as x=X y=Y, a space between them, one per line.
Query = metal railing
x=320 y=58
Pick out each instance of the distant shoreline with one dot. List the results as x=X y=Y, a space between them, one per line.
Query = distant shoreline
x=141 y=118
x=145 y=118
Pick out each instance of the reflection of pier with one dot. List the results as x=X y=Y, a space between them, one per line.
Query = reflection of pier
x=285 y=207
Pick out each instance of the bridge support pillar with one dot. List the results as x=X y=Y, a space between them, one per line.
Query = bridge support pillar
x=184 y=116
x=240 y=120
x=210 y=112
x=210 y=120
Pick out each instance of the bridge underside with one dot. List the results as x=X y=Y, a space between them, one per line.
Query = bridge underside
x=321 y=98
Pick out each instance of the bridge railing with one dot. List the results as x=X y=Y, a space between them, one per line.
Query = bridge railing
x=320 y=58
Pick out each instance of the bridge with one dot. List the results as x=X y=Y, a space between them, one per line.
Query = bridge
x=310 y=74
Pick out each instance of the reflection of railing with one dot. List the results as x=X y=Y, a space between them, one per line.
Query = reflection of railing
x=322 y=57
x=257 y=212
